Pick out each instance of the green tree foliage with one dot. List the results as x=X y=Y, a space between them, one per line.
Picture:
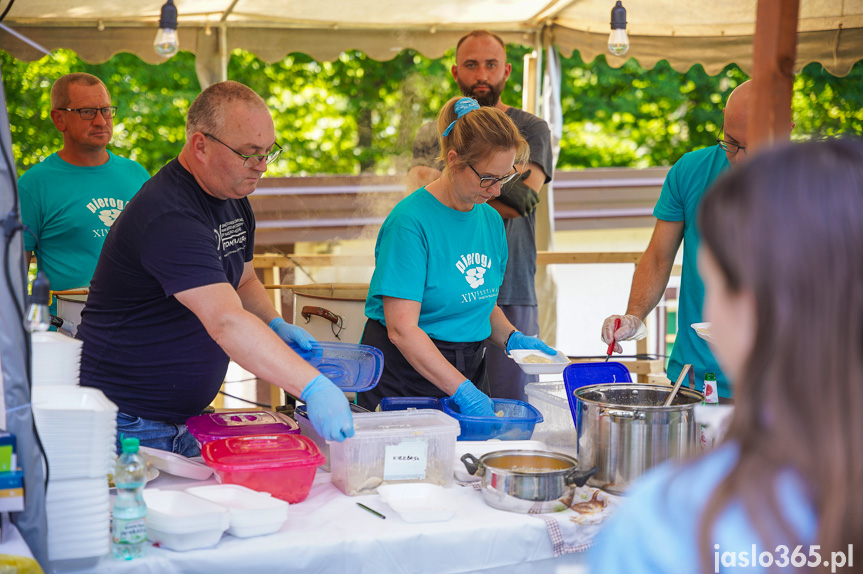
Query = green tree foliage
x=358 y=115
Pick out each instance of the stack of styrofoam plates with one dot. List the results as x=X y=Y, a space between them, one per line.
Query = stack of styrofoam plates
x=78 y=427
x=79 y=518
x=56 y=359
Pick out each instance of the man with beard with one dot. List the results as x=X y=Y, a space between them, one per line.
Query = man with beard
x=481 y=72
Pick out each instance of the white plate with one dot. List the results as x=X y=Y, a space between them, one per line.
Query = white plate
x=557 y=365
x=176 y=464
x=703 y=330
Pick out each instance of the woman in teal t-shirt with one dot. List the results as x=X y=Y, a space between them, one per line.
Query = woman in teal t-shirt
x=439 y=262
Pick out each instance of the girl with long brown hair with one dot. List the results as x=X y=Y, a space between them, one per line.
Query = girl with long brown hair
x=782 y=261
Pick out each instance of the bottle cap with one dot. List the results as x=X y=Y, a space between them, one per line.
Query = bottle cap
x=130 y=444
x=709 y=376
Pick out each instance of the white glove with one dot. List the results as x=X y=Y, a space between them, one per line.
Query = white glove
x=631 y=329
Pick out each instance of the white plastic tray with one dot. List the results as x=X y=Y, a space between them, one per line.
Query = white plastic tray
x=252 y=513
x=419 y=502
x=176 y=464
x=557 y=365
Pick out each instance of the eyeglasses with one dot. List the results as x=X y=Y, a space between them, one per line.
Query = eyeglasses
x=730 y=147
x=90 y=113
x=488 y=181
x=253 y=159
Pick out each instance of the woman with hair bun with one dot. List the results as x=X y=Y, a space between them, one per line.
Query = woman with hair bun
x=439 y=262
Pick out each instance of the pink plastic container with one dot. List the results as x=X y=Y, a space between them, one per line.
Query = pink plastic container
x=215 y=426
x=282 y=464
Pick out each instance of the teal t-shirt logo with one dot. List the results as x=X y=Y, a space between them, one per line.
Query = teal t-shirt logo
x=473 y=266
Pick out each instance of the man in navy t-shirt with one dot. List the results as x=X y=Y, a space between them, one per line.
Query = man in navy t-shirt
x=175 y=295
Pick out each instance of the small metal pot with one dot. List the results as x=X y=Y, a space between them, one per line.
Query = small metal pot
x=527 y=481
x=624 y=429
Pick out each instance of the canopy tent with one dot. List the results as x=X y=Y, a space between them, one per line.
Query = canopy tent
x=682 y=32
x=713 y=34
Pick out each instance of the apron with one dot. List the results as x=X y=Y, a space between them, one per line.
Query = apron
x=400 y=379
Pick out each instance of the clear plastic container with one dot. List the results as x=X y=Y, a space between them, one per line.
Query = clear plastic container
x=251 y=513
x=282 y=464
x=557 y=429
x=353 y=368
x=180 y=521
x=215 y=426
x=516 y=422
x=306 y=429
x=395 y=447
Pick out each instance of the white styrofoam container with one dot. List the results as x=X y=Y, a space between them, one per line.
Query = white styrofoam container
x=176 y=464
x=557 y=429
x=180 y=521
x=419 y=502
x=251 y=513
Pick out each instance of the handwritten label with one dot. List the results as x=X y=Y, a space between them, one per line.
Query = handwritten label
x=406 y=460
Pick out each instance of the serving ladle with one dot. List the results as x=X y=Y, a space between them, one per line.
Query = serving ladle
x=683 y=373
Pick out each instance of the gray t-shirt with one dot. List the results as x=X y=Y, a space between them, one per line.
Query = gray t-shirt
x=518 y=286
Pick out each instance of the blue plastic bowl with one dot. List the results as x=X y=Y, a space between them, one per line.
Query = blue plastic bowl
x=517 y=422
x=405 y=403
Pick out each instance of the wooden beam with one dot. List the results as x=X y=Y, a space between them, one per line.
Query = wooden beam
x=774 y=52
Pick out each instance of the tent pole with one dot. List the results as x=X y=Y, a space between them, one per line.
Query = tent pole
x=773 y=55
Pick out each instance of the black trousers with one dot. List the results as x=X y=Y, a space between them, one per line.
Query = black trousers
x=400 y=379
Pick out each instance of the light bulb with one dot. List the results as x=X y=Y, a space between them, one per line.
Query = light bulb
x=38 y=317
x=618 y=42
x=167 y=41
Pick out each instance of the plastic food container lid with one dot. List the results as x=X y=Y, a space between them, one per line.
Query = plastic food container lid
x=389 y=423
x=353 y=368
x=262 y=452
x=419 y=502
x=246 y=506
x=215 y=426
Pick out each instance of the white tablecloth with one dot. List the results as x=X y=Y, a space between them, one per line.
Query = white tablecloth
x=328 y=533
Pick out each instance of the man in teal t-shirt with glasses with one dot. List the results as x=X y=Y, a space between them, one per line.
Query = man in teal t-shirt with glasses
x=71 y=198
x=675 y=214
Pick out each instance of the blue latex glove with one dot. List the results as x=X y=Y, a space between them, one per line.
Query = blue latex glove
x=328 y=409
x=292 y=334
x=519 y=340
x=473 y=402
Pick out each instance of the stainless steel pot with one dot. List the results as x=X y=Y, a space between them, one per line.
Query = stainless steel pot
x=624 y=429
x=527 y=481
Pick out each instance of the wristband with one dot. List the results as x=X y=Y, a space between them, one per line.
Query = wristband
x=506 y=343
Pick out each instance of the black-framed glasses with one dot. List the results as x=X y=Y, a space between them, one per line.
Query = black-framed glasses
x=90 y=113
x=251 y=160
x=486 y=181
x=730 y=147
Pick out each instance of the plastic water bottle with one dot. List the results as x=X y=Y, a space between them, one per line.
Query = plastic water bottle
x=128 y=527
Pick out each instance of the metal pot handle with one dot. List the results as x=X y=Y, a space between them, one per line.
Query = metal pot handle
x=618 y=413
x=579 y=478
x=473 y=465
x=310 y=310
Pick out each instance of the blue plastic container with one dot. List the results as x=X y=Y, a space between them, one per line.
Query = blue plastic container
x=577 y=375
x=405 y=403
x=353 y=368
x=517 y=422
